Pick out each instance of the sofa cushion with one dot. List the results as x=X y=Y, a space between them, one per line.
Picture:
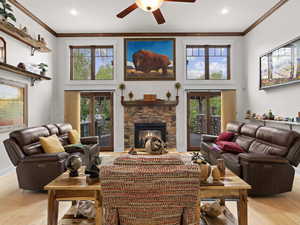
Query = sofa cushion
x=29 y=136
x=250 y=129
x=294 y=153
x=276 y=136
x=244 y=141
x=64 y=128
x=232 y=162
x=232 y=147
x=52 y=129
x=259 y=146
x=225 y=136
x=234 y=126
x=74 y=137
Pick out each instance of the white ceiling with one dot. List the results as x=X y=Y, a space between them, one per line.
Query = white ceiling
x=100 y=15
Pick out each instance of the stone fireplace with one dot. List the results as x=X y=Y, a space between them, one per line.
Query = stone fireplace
x=144 y=130
x=142 y=121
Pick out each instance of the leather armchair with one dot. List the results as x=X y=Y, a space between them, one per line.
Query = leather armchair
x=35 y=169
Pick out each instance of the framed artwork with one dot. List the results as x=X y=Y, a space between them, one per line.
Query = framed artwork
x=281 y=66
x=2 y=50
x=150 y=59
x=13 y=105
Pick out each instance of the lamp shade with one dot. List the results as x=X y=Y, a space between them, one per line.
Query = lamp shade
x=149 y=5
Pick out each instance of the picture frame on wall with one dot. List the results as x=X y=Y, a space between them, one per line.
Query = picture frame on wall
x=149 y=59
x=281 y=66
x=13 y=105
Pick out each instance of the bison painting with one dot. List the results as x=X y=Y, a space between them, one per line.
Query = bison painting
x=146 y=61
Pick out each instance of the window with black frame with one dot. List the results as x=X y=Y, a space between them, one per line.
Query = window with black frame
x=92 y=62
x=207 y=62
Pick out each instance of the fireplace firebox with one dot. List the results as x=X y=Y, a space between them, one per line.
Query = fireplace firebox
x=144 y=130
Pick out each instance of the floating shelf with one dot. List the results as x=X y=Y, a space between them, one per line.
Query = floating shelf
x=158 y=102
x=23 y=37
x=290 y=124
x=33 y=76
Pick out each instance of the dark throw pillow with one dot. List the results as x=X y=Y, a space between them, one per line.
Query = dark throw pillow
x=232 y=147
x=225 y=136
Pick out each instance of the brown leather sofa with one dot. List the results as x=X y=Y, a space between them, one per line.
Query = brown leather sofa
x=268 y=162
x=35 y=168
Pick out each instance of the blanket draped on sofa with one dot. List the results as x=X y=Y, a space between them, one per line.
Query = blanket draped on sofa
x=147 y=190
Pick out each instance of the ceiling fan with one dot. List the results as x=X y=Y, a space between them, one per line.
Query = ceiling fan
x=152 y=6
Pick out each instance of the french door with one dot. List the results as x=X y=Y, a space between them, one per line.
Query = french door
x=97 y=117
x=204 y=117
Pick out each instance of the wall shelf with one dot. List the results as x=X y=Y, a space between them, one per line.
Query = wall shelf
x=290 y=124
x=158 y=102
x=23 y=37
x=33 y=76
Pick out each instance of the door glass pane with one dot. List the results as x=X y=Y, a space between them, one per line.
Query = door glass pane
x=85 y=116
x=215 y=115
x=197 y=119
x=103 y=120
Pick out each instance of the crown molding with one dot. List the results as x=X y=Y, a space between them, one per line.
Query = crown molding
x=32 y=16
x=174 y=34
x=265 y=16
x=168 y=34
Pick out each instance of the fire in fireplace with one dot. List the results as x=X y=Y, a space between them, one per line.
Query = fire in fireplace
x=144 y=130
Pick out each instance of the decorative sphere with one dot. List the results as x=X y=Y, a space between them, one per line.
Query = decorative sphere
x=73 y=163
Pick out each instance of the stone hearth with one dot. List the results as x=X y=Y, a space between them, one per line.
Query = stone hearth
x=149 y=114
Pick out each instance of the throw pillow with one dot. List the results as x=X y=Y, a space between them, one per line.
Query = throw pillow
x=74 y=137
x=228 y=146
x=51 y=144
x=225 y=136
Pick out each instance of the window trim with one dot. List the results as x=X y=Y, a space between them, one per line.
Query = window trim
x=93 y=60
x=206 y=59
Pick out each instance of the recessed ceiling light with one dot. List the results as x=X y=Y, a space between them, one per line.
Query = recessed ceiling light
x=225 y=11
x=73 y=12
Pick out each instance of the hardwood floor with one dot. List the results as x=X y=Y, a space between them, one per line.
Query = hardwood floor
x=19 y=207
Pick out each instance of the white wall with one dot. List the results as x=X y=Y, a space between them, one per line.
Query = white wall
x=160 y=88
x=39 y=96
x=278 y=29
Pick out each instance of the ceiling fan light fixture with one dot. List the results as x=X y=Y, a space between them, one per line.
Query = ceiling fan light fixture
x=149 y=5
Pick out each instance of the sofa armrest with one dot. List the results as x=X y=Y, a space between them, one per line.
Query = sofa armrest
x=262 y=158
x=89 y=140
x=208 y=138
x=45 y=157
x=77 y=148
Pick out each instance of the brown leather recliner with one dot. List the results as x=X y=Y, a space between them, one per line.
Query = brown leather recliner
x=267 y=164
x=35 y=168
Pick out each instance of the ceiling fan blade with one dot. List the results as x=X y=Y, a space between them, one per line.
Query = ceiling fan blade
x=125 y=12
x=159 y=16
x=188 y=1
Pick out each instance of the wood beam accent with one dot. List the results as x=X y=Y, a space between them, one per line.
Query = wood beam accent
x=171 y=34
x=265 y=16
x=32 y=16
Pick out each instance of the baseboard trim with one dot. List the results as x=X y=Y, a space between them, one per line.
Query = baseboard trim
x=6 y=171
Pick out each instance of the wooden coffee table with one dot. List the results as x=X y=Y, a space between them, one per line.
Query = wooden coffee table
x=64 y=188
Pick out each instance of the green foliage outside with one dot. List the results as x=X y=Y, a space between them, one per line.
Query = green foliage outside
x=216 y=76
x=84 y=108
x=105 y=73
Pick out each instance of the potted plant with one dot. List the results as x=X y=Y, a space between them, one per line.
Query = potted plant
x=6 y=11
x=43 y=67
x=122 y=88
x=168 y=95
x=130 y=95
x=177 y=86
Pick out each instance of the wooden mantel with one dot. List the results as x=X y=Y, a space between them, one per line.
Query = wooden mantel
x=157 y=102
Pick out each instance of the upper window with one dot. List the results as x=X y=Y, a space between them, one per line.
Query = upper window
x=208 y=62
x=92 y=62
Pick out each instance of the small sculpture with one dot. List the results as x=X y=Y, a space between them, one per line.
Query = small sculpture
x=131 y=95
x=205 y=171
x=132 y=151
x=92 y=171
x=73 y=163
x=155 y=146
x=198 y=158
x=248 y=114
x=216 y=173
x=168 y=95
x=212 y=209
x=21 y=66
